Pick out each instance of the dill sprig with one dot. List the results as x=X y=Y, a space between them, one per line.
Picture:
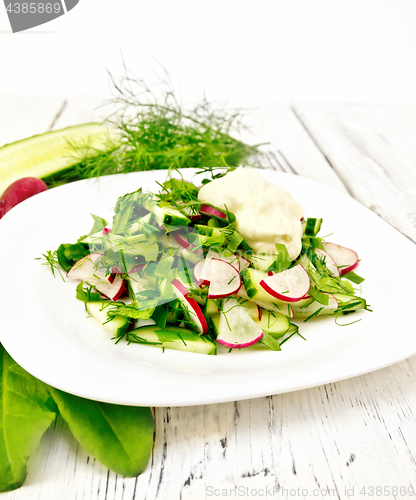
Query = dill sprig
x=159 y=133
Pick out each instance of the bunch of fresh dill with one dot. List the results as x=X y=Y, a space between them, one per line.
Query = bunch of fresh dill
x=157 y=133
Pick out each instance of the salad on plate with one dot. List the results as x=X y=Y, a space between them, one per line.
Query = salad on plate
x=208 y=269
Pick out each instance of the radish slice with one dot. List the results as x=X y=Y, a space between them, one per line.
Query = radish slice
x=243 y=262
x=231 y=259
x=274 y=305
x=198 y=272
x=183 y=242
x=290 y=285
x=345 y=258
x=329 y=261
x=84 y=268
x=208 y=210
x=88 y=269
x=224 y=279
x=112 y=290
x=236 y=328
x=190 y=306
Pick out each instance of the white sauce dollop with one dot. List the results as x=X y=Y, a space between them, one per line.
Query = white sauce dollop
x=266 y=213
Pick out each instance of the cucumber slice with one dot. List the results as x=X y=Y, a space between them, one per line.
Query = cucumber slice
x=261 y=262
x=98 y=310
x=276 y=306
x=166 y=216
x=251 y=279
x=275 y=323
x=211 y=307
x=312 y=226
x=215 y=319
x=179 y=339
x=349 y=303
x=43 y=155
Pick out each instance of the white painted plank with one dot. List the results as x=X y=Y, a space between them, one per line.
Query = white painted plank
x=24 y=116
x=290 y=147
x=372 y=149
x=82 y=108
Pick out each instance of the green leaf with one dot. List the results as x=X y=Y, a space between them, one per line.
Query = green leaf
x=120 y=437
x=99 y=224
x=87 y=294
x=282 y=260
x=129 y=311
x=269 y=341
x=353 y=277
x=68 y=254
x=26 y=411
x=322 y=298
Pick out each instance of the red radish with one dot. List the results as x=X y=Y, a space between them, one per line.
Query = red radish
x=259 y=311
x=208 y=210
x=224 y=279
x=270 y=273
x=88 y=269
x=113 y=290
x=290 y=285
x=191 y=306
x=276 y=306
x=196 y=217
x=85 y=267
x=231 y=259
x=345 y=258
x=19 y=191
x=182 y=241
x=243 y=263
x=106 y=230
x=329 y=261
x=198 y=272
x=236 y=328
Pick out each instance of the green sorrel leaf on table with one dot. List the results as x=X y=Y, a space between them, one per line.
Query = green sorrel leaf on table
x=26 y=411
x=128 y=431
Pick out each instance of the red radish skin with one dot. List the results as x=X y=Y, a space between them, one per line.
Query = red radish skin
x=110 y=285
x=329 y=261
x=208 y=210
x=183 y=295
x=106 y=230
x=244 y=263
x=295 y=280
x=345 y=258
x=113 y=290
x=237 y=329
x=19 y=191
x=197 y=274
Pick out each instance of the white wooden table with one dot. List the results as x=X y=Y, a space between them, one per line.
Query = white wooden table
x=346 y=436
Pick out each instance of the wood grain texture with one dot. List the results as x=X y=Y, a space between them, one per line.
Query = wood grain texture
x=372 y=149
x=23 y=116
x=352 y=434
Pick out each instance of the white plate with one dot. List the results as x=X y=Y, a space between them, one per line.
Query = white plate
x=44 y=328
